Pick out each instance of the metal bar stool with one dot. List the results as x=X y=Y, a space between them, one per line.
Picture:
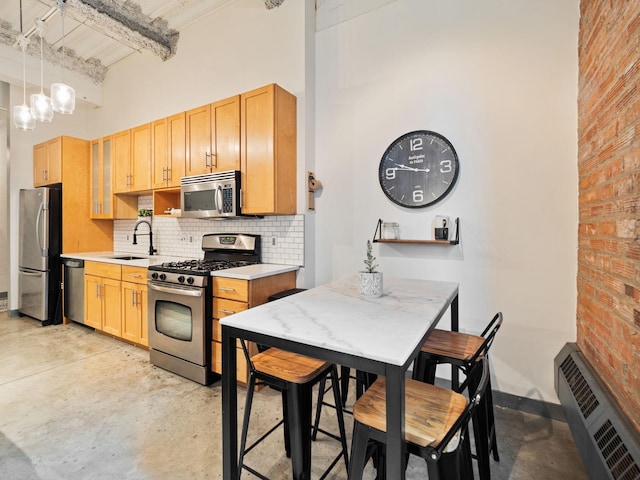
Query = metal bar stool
x=294 y=375
x=436 y=425
x=464 y=351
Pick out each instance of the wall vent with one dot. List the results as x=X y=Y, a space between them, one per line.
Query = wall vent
x=606 y=440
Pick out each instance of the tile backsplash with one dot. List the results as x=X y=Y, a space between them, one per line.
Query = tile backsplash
x=282 y=235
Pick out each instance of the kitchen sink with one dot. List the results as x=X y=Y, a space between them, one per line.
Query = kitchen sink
x=127 y=257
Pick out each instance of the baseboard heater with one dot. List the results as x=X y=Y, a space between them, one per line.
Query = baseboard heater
x=606 y=440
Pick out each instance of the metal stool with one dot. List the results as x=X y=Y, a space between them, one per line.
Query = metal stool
x=294 y=375
x=464 y=351
x=436 y=425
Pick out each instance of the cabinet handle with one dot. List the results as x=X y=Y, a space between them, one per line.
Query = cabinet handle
x=135 y=275
x=206 y=160
x=227 y=289
x=133 y=298
x=164 y=179
x=97 y=290
x=168 y=174
x=215 y=165
x=228 y=312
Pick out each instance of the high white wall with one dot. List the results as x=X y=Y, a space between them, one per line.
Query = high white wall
x=499 y=80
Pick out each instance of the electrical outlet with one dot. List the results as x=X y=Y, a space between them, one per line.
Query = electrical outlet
x=183 y=238
x=273 y=241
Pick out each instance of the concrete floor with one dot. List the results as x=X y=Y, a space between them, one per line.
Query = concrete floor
x=75 y=404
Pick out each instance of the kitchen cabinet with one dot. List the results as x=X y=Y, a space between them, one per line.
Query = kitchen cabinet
x=268 y=151
x=213 y=137
x=102 y=297
x=132 y=160
x=101 y=193
x=66 y=160
x=115 y=299
x=104 y=204
x=135 y=326
x=168 y=151
x=47 y=162
x=232 y=295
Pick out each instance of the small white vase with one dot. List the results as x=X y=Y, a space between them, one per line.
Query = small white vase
x=371 y=284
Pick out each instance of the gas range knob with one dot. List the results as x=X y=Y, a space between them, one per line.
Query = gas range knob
x=154 y=275
x=190 y=280
x=181 y=278
x=163 y=276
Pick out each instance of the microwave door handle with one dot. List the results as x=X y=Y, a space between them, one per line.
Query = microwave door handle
x=176 y=291
x=218 y=199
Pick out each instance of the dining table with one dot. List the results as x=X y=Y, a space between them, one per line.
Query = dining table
x=335 y=323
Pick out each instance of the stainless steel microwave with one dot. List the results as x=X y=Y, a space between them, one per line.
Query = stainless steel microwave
x=212 y=195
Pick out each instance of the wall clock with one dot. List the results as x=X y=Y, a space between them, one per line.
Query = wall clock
x=418 y=169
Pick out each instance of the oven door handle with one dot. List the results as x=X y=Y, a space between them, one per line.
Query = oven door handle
x=177 y=291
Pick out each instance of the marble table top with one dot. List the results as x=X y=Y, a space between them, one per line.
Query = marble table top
x=334 y=316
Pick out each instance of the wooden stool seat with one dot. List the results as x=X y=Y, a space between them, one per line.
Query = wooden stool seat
x=288 y=366
x=430 y=411
x=460 y=346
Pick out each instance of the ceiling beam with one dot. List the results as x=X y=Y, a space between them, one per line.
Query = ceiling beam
x=126 y=23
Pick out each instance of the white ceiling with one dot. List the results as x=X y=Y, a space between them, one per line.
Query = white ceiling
x=100 y=33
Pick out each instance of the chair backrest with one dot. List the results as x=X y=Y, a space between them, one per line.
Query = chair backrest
x=476 y=383
x=489 y=335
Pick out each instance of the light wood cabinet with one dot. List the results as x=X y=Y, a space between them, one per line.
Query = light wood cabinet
x=132 y=160
x=102 y=298
x=213 y=137
x=168 y=151
x=47 y=162
x=104 y=204
x=134 y=305
x=116 y=300
x=231 y=295
x=66 y=160
x=101 y=193
x=268 y=151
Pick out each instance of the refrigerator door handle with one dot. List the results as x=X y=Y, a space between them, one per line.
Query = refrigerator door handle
x=42 y=223
x=30 y=274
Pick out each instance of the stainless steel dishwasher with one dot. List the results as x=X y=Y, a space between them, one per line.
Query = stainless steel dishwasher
x=74 y=289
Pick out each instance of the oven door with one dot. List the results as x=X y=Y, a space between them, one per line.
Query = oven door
x=177 y=321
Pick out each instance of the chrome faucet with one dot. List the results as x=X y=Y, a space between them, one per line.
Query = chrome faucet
x=135 y=234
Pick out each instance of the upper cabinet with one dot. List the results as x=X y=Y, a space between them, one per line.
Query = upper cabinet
x=168 y=151
x=101 y=193
x=67 y=161
x=47 y=162
x=132 y=160
x=104 y=204
x=213 y=137
x=268 y=151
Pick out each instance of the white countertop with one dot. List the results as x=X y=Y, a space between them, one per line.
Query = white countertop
x=106 y=257
x=335 y=317
x=249 y=272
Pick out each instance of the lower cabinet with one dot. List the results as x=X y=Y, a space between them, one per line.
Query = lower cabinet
x=135 y=326
x=231 y=295
x=115 y=298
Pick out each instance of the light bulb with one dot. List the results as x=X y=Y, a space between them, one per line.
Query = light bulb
x=41 y=107
x=22 y=117
x=63 y=98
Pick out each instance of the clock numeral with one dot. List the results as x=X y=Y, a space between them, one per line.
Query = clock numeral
x=390 y=173
x=418 y=196
x=415 y=144
x=445 y=166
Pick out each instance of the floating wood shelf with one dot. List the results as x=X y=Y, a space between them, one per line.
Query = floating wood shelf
x=377 y=237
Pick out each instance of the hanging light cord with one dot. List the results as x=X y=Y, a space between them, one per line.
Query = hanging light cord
x=40 y=27
x=61 y=7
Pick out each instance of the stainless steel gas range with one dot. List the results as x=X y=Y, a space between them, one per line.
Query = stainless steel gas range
x=180 y=302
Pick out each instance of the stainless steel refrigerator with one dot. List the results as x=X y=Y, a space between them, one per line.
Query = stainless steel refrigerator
x=40 y=248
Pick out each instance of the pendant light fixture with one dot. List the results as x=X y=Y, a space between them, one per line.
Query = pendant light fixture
x=22 y=117
x=63 y=97
x=41 y=108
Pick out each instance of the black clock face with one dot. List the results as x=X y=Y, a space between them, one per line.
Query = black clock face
x=418 y=169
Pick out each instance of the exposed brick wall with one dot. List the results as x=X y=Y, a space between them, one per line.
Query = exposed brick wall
x=608 y=314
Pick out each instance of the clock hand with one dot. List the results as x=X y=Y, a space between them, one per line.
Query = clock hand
x=404 y=167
